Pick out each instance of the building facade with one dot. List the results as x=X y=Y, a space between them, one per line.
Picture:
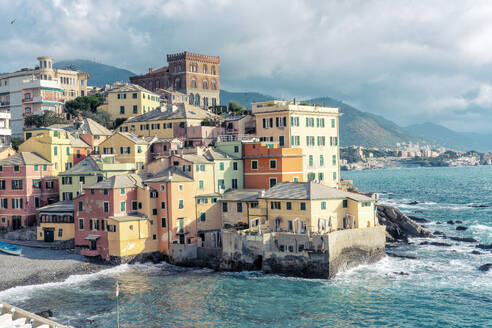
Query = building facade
x=35 y=90
x=314 y=129
x=194 y=75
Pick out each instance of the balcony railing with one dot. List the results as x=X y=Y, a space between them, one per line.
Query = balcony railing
x=4 y=103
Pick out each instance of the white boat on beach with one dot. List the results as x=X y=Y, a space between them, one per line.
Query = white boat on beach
x=10 y=249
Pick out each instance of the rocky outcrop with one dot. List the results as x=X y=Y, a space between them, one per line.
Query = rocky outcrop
x=486 y=267
x=399 y=227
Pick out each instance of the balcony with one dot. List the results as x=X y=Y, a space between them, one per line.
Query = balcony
x=4 y=103
x=5 y=132
x=5 y=115
x=35 y=99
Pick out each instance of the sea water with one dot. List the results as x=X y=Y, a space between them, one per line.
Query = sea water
x=441 y=288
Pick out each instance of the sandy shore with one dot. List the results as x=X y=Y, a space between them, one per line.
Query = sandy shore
x=37 y=266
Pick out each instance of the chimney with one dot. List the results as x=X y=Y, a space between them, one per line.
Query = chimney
x=150 y=69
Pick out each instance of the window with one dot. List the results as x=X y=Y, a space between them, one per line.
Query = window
x=236 y=149
x=281 y=141
x=234 y=183
x=67 y=196
x=163 y=222
x=332 y=122
x=334 y=176
x=239 y=207
x=180 y=187
x=275 y=205
x=202 y=216
x=123 y=206
x=81 y=206
x=68 y=150
x=254 y=165
x=200 y=184
x=125 y=150
x=234 y=166
x=288 y=205
x=82 y=180
x=154 y=211
x=4 y=203
x=321 y=160
x=254 y=204
x=66 y=180
x=122 y=191
x=221 y=183
x=323 y=205
x=81 y=224
x=205 y=84
x=221 y=166
x=2 y=184
x=135 y=109
x=334 y=159
x=106 y=207
x=303 y=206
x=224 y=207
x=17 y=203
x=105 y=191
x=122 y=109
x=36 y=183
x=321 y=176
x=103 y=225
x=311 y=161
x=344 y=203
x=311 y=176
x=134 y=205
x=181 y=204
x=273 y=182
x=16 y=168
x=36 y=167
x=154 y=194
x=16 y=184
x=60 y=232
x=139 y=149
x=96 y=224
x=91 y=225
x=273 y=163
x=134 y=96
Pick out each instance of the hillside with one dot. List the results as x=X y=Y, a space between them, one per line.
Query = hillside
x=100 y=74
x=242 y=98
x=440 y=135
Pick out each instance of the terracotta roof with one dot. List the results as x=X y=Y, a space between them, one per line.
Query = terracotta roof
x=173 y=112
x=309 y=190
x=24 y=158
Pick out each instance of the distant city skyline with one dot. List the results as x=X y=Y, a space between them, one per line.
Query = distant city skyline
x=410 y=62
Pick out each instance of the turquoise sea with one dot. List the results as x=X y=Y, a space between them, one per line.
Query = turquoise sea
x=442 y=288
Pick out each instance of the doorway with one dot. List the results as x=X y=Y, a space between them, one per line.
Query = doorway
x=16 y=222
x=49 y=235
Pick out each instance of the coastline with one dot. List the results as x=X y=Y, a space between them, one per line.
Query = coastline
x=40 y=266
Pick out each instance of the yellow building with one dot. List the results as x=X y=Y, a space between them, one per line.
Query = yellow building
x=130 y=235
x=128 y=100
x=308 y=207
x=56 y=222
x=127 y=148
x=51 y=144
x=236 y=205
x=169 y=121
x=315 y=129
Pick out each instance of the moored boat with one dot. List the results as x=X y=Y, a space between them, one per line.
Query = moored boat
x=10 y=249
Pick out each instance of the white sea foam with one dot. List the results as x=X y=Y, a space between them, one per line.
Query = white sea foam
x=25 y=292
x=481 y=227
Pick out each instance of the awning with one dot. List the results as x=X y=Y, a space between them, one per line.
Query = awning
x=92 y=237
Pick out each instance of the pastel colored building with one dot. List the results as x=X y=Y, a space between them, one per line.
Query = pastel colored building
x=236 y=206
x=127 y=148
x=80 y=149
x=7 y=152
x=194 y=75
x=168 y=121
x=266 y=164
x=91 y=170
x=56 y=222
x=308 y=207
x=26 y=183
x=208 y=220
x=162 y=147
x=239 y=126
x=228 y=170
x=128 y=100
x=35 y=90
x=52 y=144
x=170 y=96
x=5 y=131
x=314 y=129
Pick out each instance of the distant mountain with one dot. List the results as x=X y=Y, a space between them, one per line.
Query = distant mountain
x=100 y=74
x=242 y=98
x=443 y=136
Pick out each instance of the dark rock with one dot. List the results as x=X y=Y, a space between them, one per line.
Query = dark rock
x=486 y=267
x=438 y=233
x=398 y=225
x=483 y=246
x=476 y=252
x=413 y=203
x=465 y=240
x=410 y=257
x=458 y=222
x=417 y=219
x=478 y=205
x=450 y=222
x=461 y=228
x=435 y=243
x=46 y=314
x=401 y=273
x=438 y=222
x=418 y=211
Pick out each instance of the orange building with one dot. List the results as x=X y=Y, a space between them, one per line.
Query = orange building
x=266 y=164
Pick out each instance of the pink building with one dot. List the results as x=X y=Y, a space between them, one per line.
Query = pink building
x=163 y=147
x=26 y=183
x=115 y=196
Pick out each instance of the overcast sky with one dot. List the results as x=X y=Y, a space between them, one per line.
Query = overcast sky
x=409 y=61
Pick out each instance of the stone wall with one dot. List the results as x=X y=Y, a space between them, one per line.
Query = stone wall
x=241 y=252
x=183 y=254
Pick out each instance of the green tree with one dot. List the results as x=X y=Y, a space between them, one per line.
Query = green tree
x=46 y=119
x=83 y=105
x=16 y=142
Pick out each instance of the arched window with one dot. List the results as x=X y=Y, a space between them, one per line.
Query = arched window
x=177 y=84
x=197 y=100
x=205 y=84
x=205 y=69
x=213 y=70
x=192 y=98
x=214 y=85
x=193 y=83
